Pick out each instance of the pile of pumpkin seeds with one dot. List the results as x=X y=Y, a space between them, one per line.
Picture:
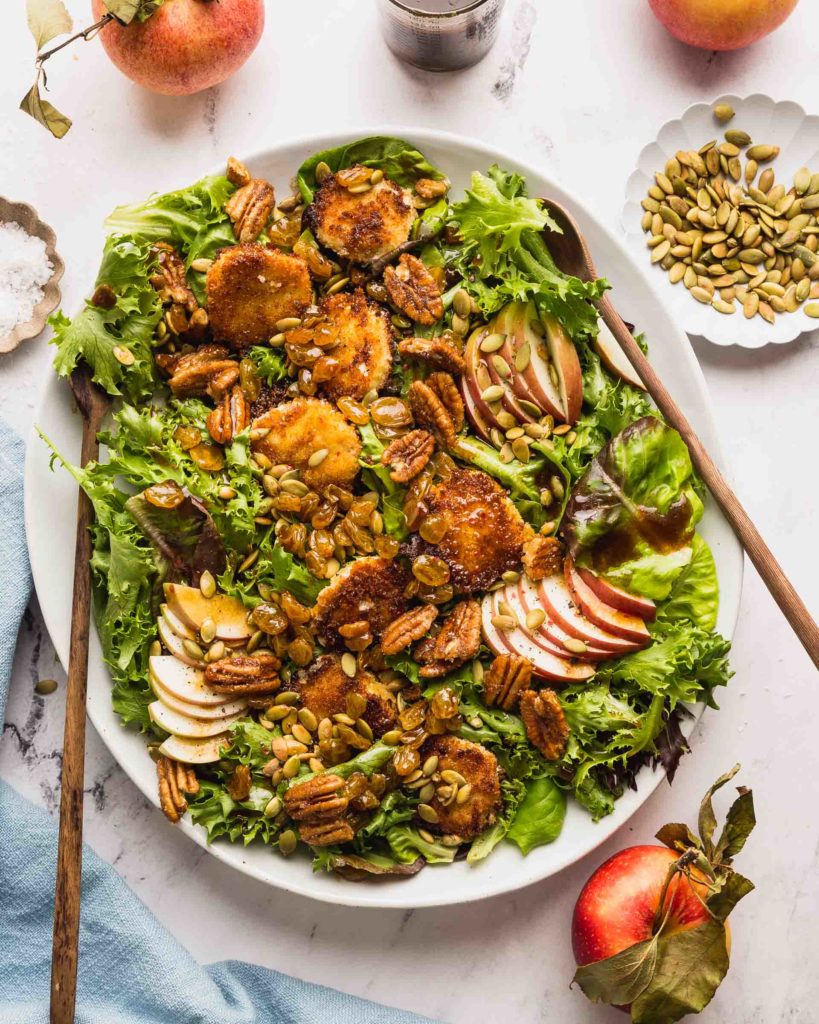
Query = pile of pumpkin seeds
x=732 y=237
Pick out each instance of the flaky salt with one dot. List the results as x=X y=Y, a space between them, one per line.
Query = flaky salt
x=24 y=270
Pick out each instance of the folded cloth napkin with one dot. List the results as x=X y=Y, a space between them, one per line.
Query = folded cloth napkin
x=132 y=971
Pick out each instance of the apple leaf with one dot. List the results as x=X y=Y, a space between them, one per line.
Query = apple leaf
x=679 y=837
x=707 y=819
x=125 y=11
x=739 y=823
x=619 y=979
x=44 y=112
x=689 y=968
x=732 y=890
x=47 y=19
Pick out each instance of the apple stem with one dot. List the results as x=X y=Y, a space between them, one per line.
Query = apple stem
x=678 y=866
x=86 y=34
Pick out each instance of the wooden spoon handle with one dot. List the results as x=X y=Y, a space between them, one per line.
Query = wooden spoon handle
x=69 y=851
x=758 y=551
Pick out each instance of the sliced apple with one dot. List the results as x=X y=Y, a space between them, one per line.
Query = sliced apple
x=565 y=360
x=186 y=727
x=192 y=607
x=173 y=642
x=176 y=624
x=619 y=598
x=534 y=382
x=555 y=635
x=630 y=627
x=614 y=358
x=557 y=600
x=190 y=751
x=518 y=641
x=183 y=681
x=212 y=711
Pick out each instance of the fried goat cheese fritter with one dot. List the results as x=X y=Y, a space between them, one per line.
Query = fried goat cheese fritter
x=479 y=768
x=324 y=688
x=250 y=288
x=362 y=347
x=485 y=532
x=299 y=429
x=367 y=590
x=361 y=227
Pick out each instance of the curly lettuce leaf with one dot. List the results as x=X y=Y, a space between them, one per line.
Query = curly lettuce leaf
x=377 y=476
x=216 y=811
x=694 y=596
x=631 y=516
x=406 y=843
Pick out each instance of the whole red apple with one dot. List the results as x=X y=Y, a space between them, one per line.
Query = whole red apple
x=618 y=904
x=186 y=45
x=721 y=24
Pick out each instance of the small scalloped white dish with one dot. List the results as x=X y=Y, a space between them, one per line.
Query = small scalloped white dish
x=783 y=124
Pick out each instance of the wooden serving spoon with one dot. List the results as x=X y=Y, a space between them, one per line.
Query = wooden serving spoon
x=93 y=405
x=572 y=256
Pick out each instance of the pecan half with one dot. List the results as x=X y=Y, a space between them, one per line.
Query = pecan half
x=542 y=557
x=175 y=779
x=237 y=173
x=170 y=281
x=430 y=412
x=244 y=674
x=323 y=796
x=326 y=833
x=408 y=628
x=460 y=635
x=229 y=418
x=194 y=374
x=544 y=721
x=240 y=782
x=413 y=289
x=431 y=188
x=407 y=455
x=508 y=676
x=440 y=352
x=447 y=392
x=249 y=208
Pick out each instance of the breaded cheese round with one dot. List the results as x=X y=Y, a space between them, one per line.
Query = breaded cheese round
x=485 y=532
x=369 y=589
x=361 y=227
x=299 y=429
x=479 y=768
x=363 y=344
x=324 y=688
x=250 y=288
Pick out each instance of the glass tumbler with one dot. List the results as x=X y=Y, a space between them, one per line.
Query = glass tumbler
x=440 y=35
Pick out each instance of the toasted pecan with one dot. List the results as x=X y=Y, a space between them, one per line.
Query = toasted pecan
x=407 y=455
x=450 y=397
x=170 y=281
x=459 y=638
x=229 y=418
x=440 y=352
x=542 y=557
x=431 y=188
x=545 y=722
x=240 y=782
x=237 y=173
x=408 y=628
x=244 y=674
x=430 y=412
x=249 y=208
x=413 y=289
x=326 y=833
x=323 y=796
x=508 y=676
x=193 y=374
x=175 y=779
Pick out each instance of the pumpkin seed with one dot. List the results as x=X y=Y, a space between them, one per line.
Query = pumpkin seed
x=207 y=631
x=287 y=840
x=738 y=138
x=492 y=342
x=701 y=295
x=812 y=310
x=493 y=393
x=193 y=650
x=349 y=664
x=763 y=153
x=464 y=793
x=318 y=457
x=535 y=618
x=273 y=807
x=723 y=307
x=574 y=645
x=45 y=687
x=523 y=357
x=207 y=584
x=428 y=813
x=723 y=112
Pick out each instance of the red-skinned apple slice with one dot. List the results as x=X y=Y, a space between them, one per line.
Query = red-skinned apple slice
x=557 y=601
x=566 y=362
x=510 y=400
x=519 y=641
x=630 y=627
x=553 y=634
x=533 y=383
x=477 y=420
x=618 y=598
x=614 y=359
x=484 y=417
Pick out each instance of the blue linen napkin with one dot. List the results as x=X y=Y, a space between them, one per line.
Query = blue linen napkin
x=132 y=971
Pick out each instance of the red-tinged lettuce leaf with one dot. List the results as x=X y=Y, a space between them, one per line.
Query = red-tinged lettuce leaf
x=632 y=514
x=356 y=868
x=185 y=537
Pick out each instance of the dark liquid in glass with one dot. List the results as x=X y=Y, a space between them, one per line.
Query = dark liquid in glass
x=440 y=35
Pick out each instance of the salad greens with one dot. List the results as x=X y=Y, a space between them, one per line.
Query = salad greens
x=625 y=502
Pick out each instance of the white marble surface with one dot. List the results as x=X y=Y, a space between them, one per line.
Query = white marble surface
x=578 y=88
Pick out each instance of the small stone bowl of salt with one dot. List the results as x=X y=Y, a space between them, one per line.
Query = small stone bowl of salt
x=30 y=271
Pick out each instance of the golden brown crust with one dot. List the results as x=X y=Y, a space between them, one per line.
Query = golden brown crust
x=408 y=628
x=542 y=557
x=365 y=226
x=370 y=589
x=413 y=290
x=250 y=288
x=363 y=344
x=407 y=455
x=479 y=767
x=507 y=678
x=324 y=688
x=545 y=722
x=298 y=429
x=485 y=532
x=439 y=352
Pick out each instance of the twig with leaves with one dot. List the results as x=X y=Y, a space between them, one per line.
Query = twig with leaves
x=48 y=19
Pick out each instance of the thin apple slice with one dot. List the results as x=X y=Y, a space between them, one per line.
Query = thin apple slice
x=188 y=728
x=190 y=751
x=212 y=711
x=176 y=624
x=557 y=599
x=533 y=382
x=614 y=358
x=630 y=627
x=480 y=411
x=174 y=643
x=619 y=598
x=185 y=682
x=556 y=636
x=192 y=607
x=565 y=360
